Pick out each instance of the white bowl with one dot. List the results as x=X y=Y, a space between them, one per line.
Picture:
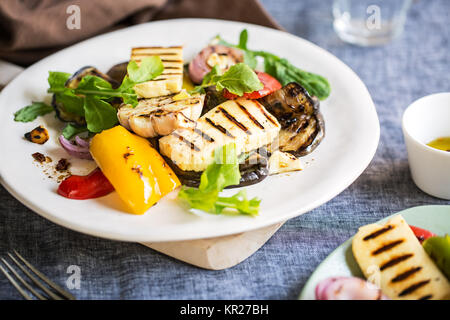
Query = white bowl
x=423 y=121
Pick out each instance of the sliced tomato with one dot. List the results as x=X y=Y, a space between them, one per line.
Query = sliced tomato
x=422 y=234
x=94 y=185
x=270 y=85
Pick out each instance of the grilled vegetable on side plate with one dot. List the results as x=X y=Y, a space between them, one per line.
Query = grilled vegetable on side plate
x=391 y=254
x=302 y=124
x=137 y=171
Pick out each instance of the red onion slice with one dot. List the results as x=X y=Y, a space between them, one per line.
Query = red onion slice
x=348 y=288
x=199 y=67
x=81 y=142
x=75 y=150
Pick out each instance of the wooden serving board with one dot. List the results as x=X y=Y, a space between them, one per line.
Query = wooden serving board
x=217 y=253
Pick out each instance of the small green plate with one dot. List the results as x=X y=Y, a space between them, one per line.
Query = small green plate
x=342 y=263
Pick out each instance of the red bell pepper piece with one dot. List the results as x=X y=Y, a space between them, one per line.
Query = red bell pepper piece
x=94 y=185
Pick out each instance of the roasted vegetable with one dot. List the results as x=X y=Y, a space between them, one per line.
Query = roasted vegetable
x=160 y=116
x=212 y=99
x=205 y=60
x=94 y=185
x=118 y=72
x=38 y=135
x=72 y=83
x=138 y=173
x=302 y=125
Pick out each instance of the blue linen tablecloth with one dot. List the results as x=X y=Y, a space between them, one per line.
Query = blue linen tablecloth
x=413 y=66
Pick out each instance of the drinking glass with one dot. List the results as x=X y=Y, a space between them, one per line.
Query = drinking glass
x=369 y=22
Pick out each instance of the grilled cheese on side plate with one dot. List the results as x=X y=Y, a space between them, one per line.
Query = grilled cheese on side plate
x=243 y=122
x=171 y=79
x=405 y=271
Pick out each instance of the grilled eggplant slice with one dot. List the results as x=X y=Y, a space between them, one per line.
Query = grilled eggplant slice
x=253 y=170
x=212 y=99
x=302 y=124
x=73 y=82
x=118 y=72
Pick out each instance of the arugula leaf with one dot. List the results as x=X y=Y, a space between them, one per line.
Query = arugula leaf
x=90 y=99
x=71 y=102
x=243 y=38
x=223 y=172
x=100 y=115
x=150 y=68
x=238 y=202
x=238 y=79
x=57 y=80
x=31 y=112
x=71 y=130
x=281 y=68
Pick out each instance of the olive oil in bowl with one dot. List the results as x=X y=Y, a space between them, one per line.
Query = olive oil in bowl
x=441 y=144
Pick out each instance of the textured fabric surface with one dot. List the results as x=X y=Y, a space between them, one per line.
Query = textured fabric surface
x=415 y=65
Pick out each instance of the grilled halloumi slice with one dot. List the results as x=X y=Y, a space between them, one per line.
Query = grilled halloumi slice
x=243 y=122
x=171 y=79
x=280 y=162
x=391 y=255
x=160 y=116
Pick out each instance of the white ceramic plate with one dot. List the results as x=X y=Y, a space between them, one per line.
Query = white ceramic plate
x=352 y=134
x=341 y=261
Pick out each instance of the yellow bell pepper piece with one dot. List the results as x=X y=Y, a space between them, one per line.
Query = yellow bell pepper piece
x=137 y=171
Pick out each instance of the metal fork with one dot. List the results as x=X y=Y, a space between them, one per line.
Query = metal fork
x=46 y=292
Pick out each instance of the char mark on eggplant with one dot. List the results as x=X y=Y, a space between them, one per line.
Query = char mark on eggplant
x=302 y=124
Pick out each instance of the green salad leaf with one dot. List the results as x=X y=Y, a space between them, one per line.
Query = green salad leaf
x=223 y=172
x=91 y=98
x=281 y=68
x=238 y=79
x=31 y=112
x=71 y=130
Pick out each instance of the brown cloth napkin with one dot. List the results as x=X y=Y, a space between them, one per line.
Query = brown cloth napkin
x=33 y=29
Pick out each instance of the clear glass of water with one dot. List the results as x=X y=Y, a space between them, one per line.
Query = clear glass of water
x=369 y=22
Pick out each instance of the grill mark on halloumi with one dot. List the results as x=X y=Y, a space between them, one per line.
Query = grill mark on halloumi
x=186 y=141
x=375 y=234
x=219 y=127
x=203 y=135
x=394 y=261
x=156 y=47
x=172 y=68
x=234 y=120
x=387 y=247
x=405 y=275
x=264 y=112
x=156 y=54
x=426 y=297
x=413 y=287
x=250 y=116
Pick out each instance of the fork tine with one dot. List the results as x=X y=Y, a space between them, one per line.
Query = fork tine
x=15 y=284
x=37 y=294
x=36 y=281
x=45 y=279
